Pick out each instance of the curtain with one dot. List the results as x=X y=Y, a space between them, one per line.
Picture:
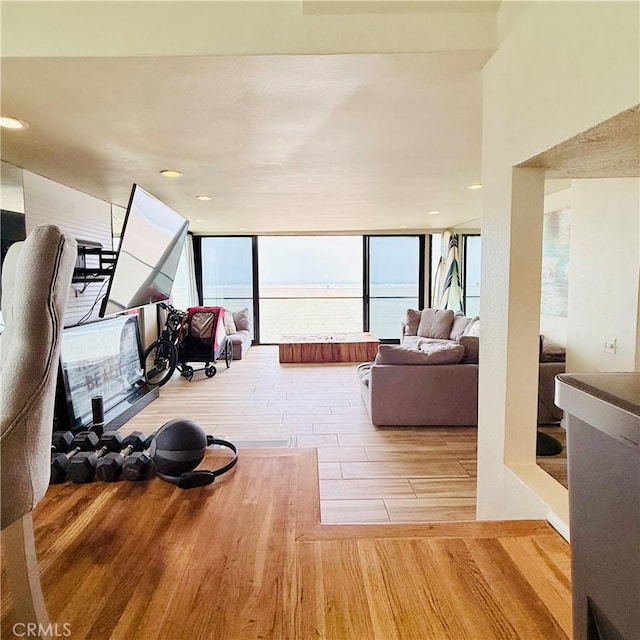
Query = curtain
x=447 y=292
x=184 y=293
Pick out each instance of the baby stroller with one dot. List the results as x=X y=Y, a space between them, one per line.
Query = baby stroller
x=203 y=339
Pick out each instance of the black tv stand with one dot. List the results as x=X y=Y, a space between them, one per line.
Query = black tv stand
x=125 y=410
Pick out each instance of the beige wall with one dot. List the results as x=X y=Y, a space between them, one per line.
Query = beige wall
x=603 y=274
x=561 y=67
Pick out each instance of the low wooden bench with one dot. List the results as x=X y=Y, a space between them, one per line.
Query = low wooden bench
x=335 y=347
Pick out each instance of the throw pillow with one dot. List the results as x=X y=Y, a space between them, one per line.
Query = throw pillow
x=229 y=324
x=411 y=323
x=395 y=354
x=473 y=328
x=241 y=318
x=459 y=325
x=435 y=323
x=471 y=346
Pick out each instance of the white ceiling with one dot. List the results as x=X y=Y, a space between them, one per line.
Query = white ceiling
x=282 y=143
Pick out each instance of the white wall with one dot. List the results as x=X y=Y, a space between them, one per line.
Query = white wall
x=561 y=68
x=86 y=218
x=603 y=274
x=81 y=215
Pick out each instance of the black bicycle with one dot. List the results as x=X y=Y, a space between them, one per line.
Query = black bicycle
x=160 y=358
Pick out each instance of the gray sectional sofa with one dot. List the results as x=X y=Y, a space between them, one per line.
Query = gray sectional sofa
x=432 y=380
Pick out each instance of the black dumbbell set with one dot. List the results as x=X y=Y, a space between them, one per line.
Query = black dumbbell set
x=81 y=457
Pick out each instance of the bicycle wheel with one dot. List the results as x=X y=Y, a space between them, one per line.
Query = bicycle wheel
x=159 y=360
x=228 y=353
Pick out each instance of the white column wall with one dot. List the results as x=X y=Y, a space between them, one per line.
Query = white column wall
x=561 y=68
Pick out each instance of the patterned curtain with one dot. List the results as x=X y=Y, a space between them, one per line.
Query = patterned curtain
x=447 y=293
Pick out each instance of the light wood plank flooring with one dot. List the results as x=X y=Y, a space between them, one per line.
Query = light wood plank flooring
x=367 y=474
x=246 y=558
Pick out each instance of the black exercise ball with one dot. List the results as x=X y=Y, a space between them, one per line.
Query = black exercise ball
x=178 y=447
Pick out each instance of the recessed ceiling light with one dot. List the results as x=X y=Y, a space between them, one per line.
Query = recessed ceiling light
x=171 y=173
x=12 y=123
x=433 y=213
x=404 y=226
x=475 y=185
x=204 y=198
x=198 y=220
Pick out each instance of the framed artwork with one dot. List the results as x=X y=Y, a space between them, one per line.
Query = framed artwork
x=556 y=230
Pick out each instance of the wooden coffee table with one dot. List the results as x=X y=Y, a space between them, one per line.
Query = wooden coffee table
x=335 y=347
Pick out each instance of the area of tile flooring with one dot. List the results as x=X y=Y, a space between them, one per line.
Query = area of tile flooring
x=367 y=474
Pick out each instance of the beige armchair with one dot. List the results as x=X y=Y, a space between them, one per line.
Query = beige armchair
x=35 y=286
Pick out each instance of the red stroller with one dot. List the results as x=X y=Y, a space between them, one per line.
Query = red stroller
x=203 y=339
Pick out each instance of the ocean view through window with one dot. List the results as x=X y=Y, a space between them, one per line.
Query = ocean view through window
x=315 y=285
x=309 y=285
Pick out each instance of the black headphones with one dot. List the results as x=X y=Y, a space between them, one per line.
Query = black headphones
x=179 y=446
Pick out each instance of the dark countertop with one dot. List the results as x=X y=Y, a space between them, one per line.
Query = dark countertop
x=620 y=389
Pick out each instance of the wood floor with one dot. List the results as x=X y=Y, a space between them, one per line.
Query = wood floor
x=246 y=557
x=367 y=474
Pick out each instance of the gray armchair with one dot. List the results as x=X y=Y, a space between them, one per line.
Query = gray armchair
x=35 y=286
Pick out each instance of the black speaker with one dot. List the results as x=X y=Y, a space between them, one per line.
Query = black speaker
x=179 y=447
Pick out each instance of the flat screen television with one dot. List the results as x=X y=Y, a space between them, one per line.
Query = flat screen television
x=151 y=243
x=99 y=359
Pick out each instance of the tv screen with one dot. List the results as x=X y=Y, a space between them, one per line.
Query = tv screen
x=150 y=247
x=100 y=359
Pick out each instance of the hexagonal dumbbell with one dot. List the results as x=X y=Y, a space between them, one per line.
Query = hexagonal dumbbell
x=83 y=441
x=138 y=465
x=82 y=467
x=109 y=467
x=62 y=441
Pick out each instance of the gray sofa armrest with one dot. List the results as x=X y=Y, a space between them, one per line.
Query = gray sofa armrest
x=240 y=343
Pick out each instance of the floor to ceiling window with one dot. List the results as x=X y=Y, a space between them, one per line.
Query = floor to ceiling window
x=471 y=276
x=395 y=265
x=227 y=273
x=309 y=285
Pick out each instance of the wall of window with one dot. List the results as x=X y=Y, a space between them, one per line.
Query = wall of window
x=394 y=282
x=227 y=273
x=301 y=285
x=309 y=285
x=471 y=275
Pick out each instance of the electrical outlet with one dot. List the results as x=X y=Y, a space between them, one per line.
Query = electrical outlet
x=609 y=345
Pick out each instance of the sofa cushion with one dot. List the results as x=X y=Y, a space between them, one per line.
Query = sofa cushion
x=435 y=323
x=471 y=346
x=411 y=322
x=415 y=342
x=430 y=353
x=229 y=324
x=412 y=342
x=551 y=351
x=460 y=323
x=241 y=319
